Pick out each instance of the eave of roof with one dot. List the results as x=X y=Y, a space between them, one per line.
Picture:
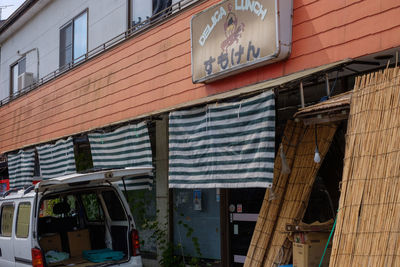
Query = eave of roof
x=17 y=14
x=341 y=100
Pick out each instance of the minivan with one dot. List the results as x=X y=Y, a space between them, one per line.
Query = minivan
x=74 y=220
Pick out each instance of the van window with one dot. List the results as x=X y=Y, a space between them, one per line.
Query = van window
x=7 y=215
x=114 y=206
x=92 y=207
x=23 y=219
x=59 y=207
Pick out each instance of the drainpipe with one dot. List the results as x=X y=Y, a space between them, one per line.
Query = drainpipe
x=37 y=56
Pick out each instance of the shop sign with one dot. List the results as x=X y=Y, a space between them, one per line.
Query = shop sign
x=237 y=35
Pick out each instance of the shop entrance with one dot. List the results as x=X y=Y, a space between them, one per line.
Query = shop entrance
x=243 y=208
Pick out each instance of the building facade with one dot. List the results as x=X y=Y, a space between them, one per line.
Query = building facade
x=70 y=68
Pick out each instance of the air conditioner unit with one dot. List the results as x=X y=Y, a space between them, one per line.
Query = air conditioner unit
x=24 y=80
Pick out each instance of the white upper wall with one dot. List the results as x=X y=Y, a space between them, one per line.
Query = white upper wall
x=106 y=19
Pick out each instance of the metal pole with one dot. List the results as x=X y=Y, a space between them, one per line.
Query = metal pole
x=302 y=95
x=328 y=90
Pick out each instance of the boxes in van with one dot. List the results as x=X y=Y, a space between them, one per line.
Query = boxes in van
x=50 y=242
x=78 y=242
x=60 y=221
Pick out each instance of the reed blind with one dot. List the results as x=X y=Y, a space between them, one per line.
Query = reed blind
x=270 y=245
x=367 y=229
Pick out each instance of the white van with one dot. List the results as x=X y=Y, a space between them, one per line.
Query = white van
x=75 y=220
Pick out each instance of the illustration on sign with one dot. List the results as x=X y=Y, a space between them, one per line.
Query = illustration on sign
x=232 y=30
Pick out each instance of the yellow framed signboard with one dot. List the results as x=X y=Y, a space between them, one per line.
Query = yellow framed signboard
x=237 y=35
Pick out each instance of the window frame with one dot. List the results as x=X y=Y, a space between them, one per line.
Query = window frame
x=5 y=204
x=71 y=22
x=29 y=222
x=12 y=66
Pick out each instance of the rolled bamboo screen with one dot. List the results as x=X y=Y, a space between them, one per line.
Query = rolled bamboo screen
x=368 y=223
x=269 y=245
x=270 y=207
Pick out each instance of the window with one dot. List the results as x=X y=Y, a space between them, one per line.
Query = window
x=83 y=155
x=92 y=207
x=59 y=207
x=16 y=70
x=23 y=219
x=73 y=40
x=142 y=10
x=7 y=215
x=114 y=206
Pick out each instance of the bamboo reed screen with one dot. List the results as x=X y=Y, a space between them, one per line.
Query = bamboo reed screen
x=368 y=223
x=269 y=245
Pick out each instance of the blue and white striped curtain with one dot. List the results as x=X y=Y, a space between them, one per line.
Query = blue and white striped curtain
x=127 y=146
x=21 y=167
x=223 y=145
x=57 y=159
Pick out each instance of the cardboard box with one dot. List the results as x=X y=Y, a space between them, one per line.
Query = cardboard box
x=51 y=242
x=309 y=253
x=78 y=241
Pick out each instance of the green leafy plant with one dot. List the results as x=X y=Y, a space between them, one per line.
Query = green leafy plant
x=169 y=250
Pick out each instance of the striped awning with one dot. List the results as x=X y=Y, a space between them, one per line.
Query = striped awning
x=127 y=146
x=223 y=145
x=21 y=167
x=57 y=159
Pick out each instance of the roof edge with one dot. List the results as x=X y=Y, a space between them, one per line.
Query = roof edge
x=17 y=14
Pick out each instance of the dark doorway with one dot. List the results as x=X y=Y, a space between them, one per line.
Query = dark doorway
x=243 y=208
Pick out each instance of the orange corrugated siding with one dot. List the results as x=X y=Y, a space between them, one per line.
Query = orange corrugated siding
x=152 y=71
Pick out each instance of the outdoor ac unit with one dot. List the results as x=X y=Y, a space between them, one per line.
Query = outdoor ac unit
x=24 y=80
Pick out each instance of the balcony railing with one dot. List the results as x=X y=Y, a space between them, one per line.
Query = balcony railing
x=133 y=31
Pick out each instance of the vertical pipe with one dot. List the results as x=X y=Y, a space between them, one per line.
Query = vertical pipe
x=328 y=90
x=302 y=95
x=37 y=74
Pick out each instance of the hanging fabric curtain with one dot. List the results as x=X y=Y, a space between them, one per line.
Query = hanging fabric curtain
x=57 y=159
x=223 y=145
x=21 y=167
x=127 y=146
